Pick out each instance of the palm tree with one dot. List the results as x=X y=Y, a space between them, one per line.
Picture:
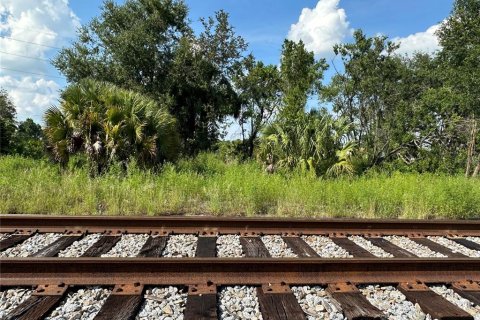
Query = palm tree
x=314 y=141
x=110 y=124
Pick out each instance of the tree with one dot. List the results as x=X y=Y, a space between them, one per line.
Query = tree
x=301 y=76
x=148 y=46
x=459 y=62
x=7 y=122
x=374 y=94
x=259 y=89
x=29 y=139
x=110 y=124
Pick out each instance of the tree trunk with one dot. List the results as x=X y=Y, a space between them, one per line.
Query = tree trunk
x=471 y=147
x=477 y=168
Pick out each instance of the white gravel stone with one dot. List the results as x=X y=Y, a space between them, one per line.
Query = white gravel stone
x=11 y=299
x=413 y=247
x=456 y=247
x=79 y=247
x=457 y=300
x=367 y=245
x=4 y=236
x=128 y=246
x=392 y=302
x=239 y=302
x=325 y=247
x=277 y=247
x=317 y=304
x=164 y=303
x=82 y=304
x=181 y=245
x=229 y=246
x=31 y=245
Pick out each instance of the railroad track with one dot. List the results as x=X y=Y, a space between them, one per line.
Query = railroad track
x=211 y=268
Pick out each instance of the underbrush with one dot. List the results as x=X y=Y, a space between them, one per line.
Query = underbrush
x=207 y=185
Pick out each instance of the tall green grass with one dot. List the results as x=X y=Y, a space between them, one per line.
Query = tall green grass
x=207 y=185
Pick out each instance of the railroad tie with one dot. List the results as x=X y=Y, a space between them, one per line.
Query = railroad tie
x=153 y=247
x=201 y=302
x=206 y=247
x=58 y=245
x=468 y=289
x=432 y=245
x=253 y=247
x=432 y=303
x=13 y=240
x=391 y=248
x=277 y=302
x=352 y=248
x=42 y=301
x=300 y=247
x=467 y=243
x=353 y=303
x=102 y=246
x=122 y=304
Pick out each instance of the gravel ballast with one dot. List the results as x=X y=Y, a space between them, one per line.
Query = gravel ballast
x=238 y=302
x=11 y=299
x=457 y=300
x=82 y=304
x=128 y=246
x=455 y=247
x=392 y=302
x=367 y=245
x=413 y=247
x=316 y=303
x=277 y=247
x=181 y=245
x=164 y=303
x=4 y=236
x=325 y=247
x=31 y=245
x=79 y=247
x=229 y=246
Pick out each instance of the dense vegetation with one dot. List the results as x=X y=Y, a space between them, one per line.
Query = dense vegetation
x=147 y=97
x=206 y=184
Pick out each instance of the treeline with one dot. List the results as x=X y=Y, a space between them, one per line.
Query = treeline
x=145 y=86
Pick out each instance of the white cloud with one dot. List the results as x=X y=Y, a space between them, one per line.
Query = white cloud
x=425 y=41
x=49 y=24
x=321 y=27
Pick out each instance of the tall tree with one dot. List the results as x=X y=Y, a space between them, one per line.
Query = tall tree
x=148 y=46
x=459 y=37
x=259 y=86
x=7 y=122
x=372 y=93
x=301 y=76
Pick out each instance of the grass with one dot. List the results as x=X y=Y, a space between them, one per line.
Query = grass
x=206 y=185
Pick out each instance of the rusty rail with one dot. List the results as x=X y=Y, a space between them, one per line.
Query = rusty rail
x=205 y=225
x=245 y=271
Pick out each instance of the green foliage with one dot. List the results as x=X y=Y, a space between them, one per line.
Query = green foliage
x=301 y=76
x=260 y=91
x=29 y=139
x=148 y=46
x=314 y=142
x=31 y=186
x=109 y=125
x=7 y=123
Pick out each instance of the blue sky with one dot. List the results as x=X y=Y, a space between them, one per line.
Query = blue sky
x=36 y=29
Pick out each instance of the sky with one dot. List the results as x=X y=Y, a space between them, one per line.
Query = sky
x=33 y=31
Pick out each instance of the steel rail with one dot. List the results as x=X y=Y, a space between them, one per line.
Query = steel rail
x=203 y=224
x=233 y=271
